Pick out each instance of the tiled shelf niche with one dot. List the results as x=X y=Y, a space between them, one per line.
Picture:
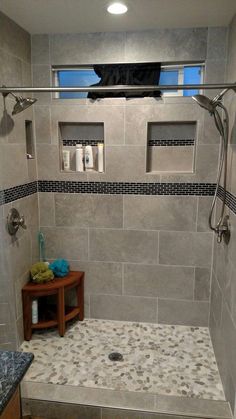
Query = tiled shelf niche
x=73 y=133
x=171 y=147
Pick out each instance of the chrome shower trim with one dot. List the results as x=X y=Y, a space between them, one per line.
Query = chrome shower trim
x=125 y=88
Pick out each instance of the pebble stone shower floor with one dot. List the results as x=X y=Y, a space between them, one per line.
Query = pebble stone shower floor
x=159 y=359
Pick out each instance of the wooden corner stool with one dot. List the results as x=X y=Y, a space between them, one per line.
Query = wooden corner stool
x=61 y=314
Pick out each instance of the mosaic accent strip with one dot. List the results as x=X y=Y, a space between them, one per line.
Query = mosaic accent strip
x=230 y=199
x=17 y=192
x=127 y=188
x=73 y=143
x=171 y=142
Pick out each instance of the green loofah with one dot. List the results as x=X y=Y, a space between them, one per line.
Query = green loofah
x=40 y=273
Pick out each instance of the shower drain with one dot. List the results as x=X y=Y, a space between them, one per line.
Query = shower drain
x=115 y=356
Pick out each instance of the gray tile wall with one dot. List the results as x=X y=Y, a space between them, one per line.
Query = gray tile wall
x=16 y=255
x=146 y=258
x=223 y=290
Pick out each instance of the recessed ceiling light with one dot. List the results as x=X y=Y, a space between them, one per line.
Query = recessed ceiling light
x=117 y=8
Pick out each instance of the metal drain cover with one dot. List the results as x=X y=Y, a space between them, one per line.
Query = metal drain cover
x=115 y=356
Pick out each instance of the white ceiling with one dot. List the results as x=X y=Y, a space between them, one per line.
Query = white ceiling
x=68 y=16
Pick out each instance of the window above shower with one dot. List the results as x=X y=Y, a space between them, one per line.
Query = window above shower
x=176 y=74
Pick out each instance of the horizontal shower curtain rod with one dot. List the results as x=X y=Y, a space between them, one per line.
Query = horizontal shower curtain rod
x=118 y=88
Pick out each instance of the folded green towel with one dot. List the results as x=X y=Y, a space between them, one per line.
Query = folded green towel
x=40 y=273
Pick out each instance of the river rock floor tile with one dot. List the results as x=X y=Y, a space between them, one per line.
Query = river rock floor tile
x=160 y=359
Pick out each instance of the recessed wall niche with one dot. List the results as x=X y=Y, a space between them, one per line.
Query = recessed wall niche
x=72 y=134
x=171 y=147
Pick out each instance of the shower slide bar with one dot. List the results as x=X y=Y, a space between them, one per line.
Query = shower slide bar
x=119 y=88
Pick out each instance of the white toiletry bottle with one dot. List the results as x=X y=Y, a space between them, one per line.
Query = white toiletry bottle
x=100 y=157
x=88 y=157
x=66 y=159
x=35 y=311
x=79 y=158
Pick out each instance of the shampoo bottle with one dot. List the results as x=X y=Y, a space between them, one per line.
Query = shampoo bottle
x=88 y=156
x=79 y=158
x=35 y=311
x=66 y=159
x=100 y=157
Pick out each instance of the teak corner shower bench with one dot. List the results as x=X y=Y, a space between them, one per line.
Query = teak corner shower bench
x=53 y=315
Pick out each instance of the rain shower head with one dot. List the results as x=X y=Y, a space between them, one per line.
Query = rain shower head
x=21 y=104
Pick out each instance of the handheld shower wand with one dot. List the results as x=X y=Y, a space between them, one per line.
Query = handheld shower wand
x=222 y=124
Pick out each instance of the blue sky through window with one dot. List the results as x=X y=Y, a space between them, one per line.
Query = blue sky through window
x=88 y=77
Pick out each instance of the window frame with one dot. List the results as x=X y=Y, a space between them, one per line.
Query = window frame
x=165 y=67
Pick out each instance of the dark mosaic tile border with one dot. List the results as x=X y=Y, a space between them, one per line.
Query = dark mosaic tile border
x=116 y=188
x=73 y=143
x=230 y=199
x=17 y=192
x=171 y=142
x=127 y=188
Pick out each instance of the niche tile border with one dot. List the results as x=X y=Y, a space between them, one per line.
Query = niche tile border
x=171 y=142
x=73 y=143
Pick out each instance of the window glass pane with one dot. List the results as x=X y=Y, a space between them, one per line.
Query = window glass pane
x=169 y=77
x=192 y=75
x=70 y=78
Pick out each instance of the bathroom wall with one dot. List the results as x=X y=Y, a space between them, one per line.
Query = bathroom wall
x=17 y=183
x=147 y=253
x=223 y=292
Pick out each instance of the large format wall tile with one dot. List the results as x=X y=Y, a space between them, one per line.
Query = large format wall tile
x=183 y=312
x=184 y=248
x=92 y=48
x=115 y=307
x=123 y=246
x=67 y=243
x=89 y=210
x=159 y=281
x=160 y=213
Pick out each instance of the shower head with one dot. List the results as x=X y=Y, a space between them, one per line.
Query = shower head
x=22 y=104
x=210 y=104
x=204 y=102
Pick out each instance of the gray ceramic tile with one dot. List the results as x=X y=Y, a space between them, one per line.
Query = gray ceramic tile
x=166 y=45
x=19 y=254
x=89 y=210
x=185 y=248
x=217 y=42
x=170 y=159
x=126 y=308
x=68 y=243
x=123 y=246
x=62 y=410
x=14 y=39
x=160 y=213
x=43 y=124
x=40 y=49
x=10 y=70
x=11 y=172
x=202 y=284
x=204 y=207
x=183 y=312
x=93 y=48
x=100 y=277
x=46 y=209
x=159 y=281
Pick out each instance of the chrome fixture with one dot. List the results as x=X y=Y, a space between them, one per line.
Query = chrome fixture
x=222 y=124
x=14 y=221
x=124 y=88
x=21 y=104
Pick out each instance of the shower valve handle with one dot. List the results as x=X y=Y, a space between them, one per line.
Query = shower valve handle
x=14 y=221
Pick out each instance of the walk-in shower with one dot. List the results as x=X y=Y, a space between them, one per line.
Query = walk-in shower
x=221 y=119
